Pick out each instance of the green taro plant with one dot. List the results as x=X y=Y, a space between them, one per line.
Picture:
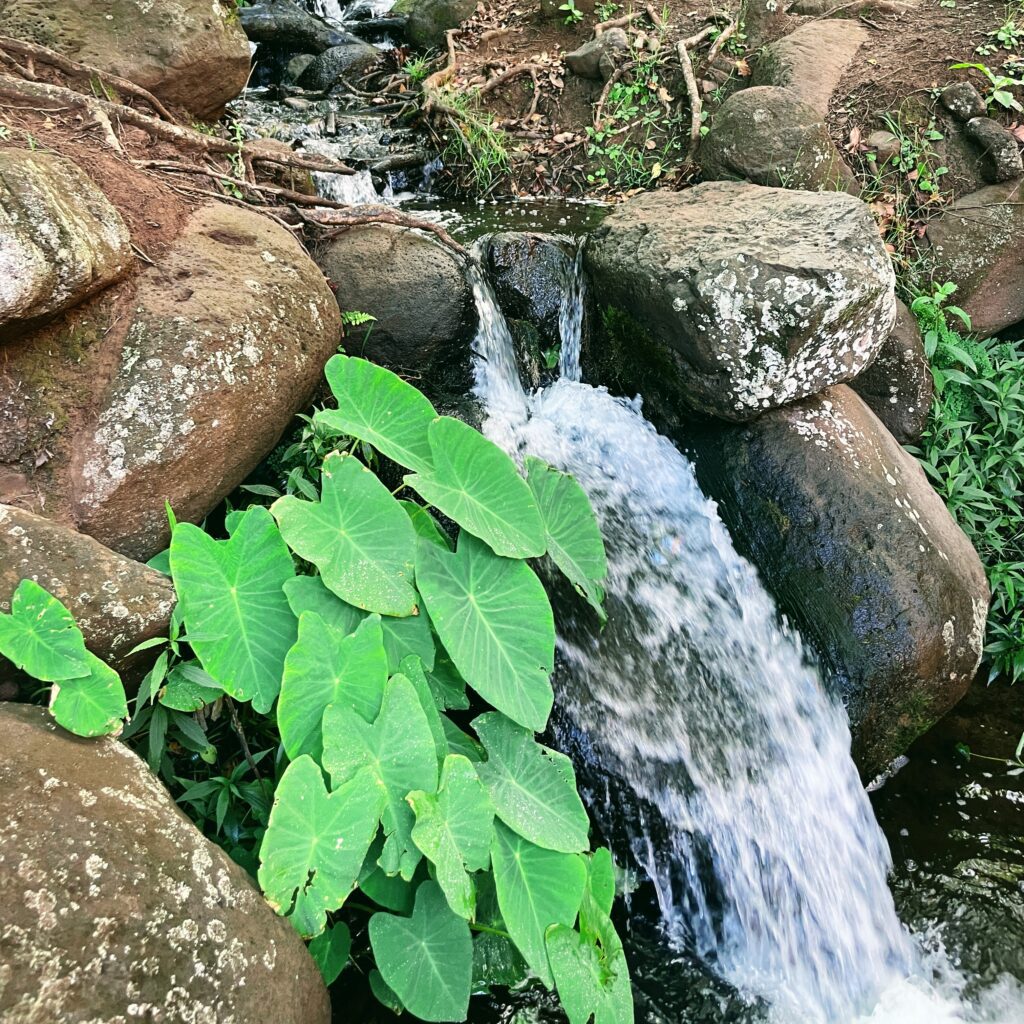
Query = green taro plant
x=573 y=15
x=409 y=823
x=999 y=88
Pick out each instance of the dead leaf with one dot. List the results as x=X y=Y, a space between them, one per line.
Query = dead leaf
x=742 y=67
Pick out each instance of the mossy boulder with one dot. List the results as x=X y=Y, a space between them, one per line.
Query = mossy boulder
x=429 y=20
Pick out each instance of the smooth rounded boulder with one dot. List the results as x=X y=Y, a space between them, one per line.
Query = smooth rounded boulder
x=861 y=554
x=189 y=53
x=748 y=297
x=117 y=908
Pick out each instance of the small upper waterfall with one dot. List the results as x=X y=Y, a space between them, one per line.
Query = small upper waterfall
x=768 y=862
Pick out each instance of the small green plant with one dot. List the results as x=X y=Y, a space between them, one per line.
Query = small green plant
x=999 y=87
x=1008 y=36
x=606 y=11
x=1014 y=761
x=473 y=146
x=385 y=682
x=5 y=132
x=572 y=13
x=417 y=68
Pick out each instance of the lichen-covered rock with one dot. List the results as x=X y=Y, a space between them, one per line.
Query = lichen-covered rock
x=963 y=101
x=1000 y=149
x=60 y=238
x=768 y=136
x=189 y=53
x=429 y=20
x=753 y=296
x=861 y=553
x=117 y=603
x=598 y=57
x=976 y=243
x=898 y=385
x=117 y=909
x=350 y=56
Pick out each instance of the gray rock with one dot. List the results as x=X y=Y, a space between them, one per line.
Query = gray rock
x=768 y=136
x=1001 y=149
x=898 y=385
x=963 y=101
x=885 y=145
x=751 y=297
x=861 y=554
x=597 y=58
x=293 y=71
x=976 y=243
x=282 y=23
x=429 y=20
x=351 y=57
x=117 y=603
x=117 y=908
x=61 y=240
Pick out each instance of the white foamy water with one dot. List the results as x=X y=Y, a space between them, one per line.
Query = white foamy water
x=766 y=857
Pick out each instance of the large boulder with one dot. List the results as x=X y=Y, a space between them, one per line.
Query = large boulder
x=429 y=20
x=189 y=53
x=117 y=602
x=349 y=57
x=60 y=238
x=861 y=553
x=116 y=908
x=283 y=23
x=976 y=243
x=898 y=386
x=749 y=297
x=173 y=389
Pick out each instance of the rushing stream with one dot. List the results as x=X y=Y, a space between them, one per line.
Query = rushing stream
x=727 y=762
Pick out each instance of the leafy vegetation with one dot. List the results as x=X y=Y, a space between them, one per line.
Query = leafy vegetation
x=973 y=452
x=392 y=679
x=998 y=89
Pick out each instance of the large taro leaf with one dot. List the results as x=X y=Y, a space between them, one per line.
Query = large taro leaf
x=532 y=787
x=495 y=621
x=475 y=483
x=91 y=705
x=426 y=959
x=330 y=950
x=573 y=537
x=316 y=842
x=600 y=892
x=591 y=975
x=357 y=535
x=233 y=604
x=402 y=636
x=378 y=407
x=412 y=669
x=329 y=666
x=453 y=830
x=398 y=749
x=41 y=638
x=536 y=889
x=426 y=526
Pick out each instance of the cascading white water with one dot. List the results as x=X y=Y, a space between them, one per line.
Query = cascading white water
x=772 y=867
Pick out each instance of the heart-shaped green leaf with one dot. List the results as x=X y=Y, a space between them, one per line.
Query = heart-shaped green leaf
x=398 y=749
x=92 y=705
x=330 y=950
x=378 y=407
x=591 y=974
x=412 y=669
x=494 y=619
x=327 y=666
x=426 y=959
x=41 y=638
x=453 y=829
x=316 y=842
x=233 y=604
x=475 y=483
x=536 y=889
x=573 y=537
x=533 y=788
x=357 y=535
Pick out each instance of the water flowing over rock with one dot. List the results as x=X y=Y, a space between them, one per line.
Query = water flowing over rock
x=189 y=53
x=282 y=23
x=116 y=602
x=861 y=553
x=117 y=908
x=748 y=297
x=60 y=238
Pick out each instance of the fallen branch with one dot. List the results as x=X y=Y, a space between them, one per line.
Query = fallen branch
x=622 y=22
x=72 y=67
x=716 y=47
x=696 y=107
x=504 y=76
x=432 y=101
x=602 y=99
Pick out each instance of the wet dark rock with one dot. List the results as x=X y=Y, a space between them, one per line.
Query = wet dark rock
x=597 y=58
x=429 y=20
x=860 y=553
x=768 y=136
x=898 y=385
x=281 y=23
x=293 y=71
x=117 y=602
x=1000 y=148
x=117 y=908
x=976 y=243
x=349 y=58
x=748 y=297
x=963 y=101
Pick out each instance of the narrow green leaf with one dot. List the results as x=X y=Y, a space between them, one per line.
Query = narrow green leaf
x=494 y=619
x=357 y=536
x=412 y=669
x=426 y=959
x=316 y=841
x=330 y=950
x=475 y=483
x=41 y=638
x=235 y=611
x=533 y=788
x=93 y=704
x=182 y=694
x=426 y=526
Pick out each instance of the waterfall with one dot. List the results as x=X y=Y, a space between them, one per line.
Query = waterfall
x=766 y=858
